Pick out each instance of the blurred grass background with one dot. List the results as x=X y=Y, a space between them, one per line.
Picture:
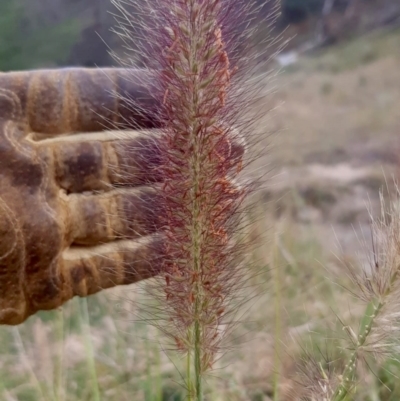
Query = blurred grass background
x=336 y=119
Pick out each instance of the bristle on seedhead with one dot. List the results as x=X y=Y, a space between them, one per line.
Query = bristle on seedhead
x=194 y=50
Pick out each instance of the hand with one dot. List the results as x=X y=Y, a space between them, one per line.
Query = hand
x=78 y=212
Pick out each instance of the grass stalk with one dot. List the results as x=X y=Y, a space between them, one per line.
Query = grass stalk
x=189 y=382
x=24 y=359
x=348 y=376
x=381 y=288
x=59 y=372
x=197 y=359
x=196 y=245
x=278 y=319
x=85 y=321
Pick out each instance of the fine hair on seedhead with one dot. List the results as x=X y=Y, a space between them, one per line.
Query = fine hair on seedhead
x=373 y=338
x=203 y=59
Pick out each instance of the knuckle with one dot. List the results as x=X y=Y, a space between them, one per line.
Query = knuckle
x=10 y=104
x=11 y=316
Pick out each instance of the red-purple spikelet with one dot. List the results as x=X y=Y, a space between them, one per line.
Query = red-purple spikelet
x=200 y=165
x=192 y=47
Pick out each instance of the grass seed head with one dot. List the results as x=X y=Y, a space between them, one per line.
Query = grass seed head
x=200 y=82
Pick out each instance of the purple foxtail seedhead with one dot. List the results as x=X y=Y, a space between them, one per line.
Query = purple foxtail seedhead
x=194 y=50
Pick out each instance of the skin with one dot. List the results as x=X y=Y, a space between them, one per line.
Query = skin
x=78 y=212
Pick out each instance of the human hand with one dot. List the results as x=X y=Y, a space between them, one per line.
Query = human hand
x=78 y=212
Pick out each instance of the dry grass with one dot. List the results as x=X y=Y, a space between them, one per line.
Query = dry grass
x=324 y=113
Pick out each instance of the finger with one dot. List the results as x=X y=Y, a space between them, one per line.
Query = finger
x=88 y=271
x=98 y=165
x=77 y=99
x=118 y=214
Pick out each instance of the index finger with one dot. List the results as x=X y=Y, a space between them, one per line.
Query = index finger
x=77 y=99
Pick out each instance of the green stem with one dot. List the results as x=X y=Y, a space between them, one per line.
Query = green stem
x=196 y=227
x=278 y=322
x=85 y=321
x=189 y=376
x=197 y=361
x=348 y=375
x=196 y=330
x=59 y=374
x=198 y=296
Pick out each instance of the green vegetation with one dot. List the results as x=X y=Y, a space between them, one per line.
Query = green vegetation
x=81 y=353
x=350 y=55
x=23 y=46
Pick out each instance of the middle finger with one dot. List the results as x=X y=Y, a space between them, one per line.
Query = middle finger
x=118 y=214
x=98 y=164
